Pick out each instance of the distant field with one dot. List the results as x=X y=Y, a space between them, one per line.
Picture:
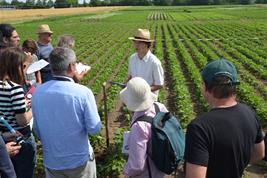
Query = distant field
x=30 y=14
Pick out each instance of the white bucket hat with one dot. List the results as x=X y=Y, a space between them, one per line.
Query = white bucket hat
x=137 y=95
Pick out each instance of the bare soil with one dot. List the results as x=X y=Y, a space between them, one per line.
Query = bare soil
x=31 y=14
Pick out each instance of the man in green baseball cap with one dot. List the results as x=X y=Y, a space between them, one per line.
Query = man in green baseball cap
x=223 y=141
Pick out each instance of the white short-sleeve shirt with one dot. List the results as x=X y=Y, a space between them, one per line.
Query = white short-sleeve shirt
x=149 y=68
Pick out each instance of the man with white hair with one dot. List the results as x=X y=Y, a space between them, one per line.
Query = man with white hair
x=44 y=49
x=64 y=114
x=143 y=63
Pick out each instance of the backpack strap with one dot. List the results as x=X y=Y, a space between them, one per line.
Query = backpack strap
x=143 y=118
x=156 y=108
x=148 y=119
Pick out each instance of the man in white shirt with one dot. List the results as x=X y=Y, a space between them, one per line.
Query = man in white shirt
x=143 y=63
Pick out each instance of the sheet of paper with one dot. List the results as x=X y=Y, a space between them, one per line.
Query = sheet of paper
x=36 y=66
x=81 y=67
x=125 y=146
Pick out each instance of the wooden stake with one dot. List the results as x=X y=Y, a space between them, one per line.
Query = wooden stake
x=105 y=112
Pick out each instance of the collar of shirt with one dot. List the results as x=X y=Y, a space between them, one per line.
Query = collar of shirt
x=41 y=44
x=146 y=57
x=64 y=77
x=148 y=112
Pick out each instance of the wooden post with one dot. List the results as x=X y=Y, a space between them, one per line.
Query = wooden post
x=106 y=113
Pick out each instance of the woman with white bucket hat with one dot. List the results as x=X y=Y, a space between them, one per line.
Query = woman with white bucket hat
x=138 y=97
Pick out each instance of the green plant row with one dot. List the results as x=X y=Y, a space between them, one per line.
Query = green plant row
x=247 y=94
x=238 y=44
x=180 y=91
x=191 y=67
x=248 y=77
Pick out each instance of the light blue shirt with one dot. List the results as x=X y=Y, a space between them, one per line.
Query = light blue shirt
x=43 y=52
x=64 y=114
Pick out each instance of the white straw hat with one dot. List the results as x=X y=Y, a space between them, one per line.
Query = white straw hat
x=137 y=95
x=141 y=35
x=44 y=29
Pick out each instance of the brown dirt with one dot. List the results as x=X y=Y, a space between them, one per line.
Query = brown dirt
x=30 y=14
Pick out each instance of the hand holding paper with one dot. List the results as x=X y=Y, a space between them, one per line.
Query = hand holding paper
x=36 y=66
x=81 y=68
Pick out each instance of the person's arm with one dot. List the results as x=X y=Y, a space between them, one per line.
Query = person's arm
x=158 y=76
x=24 y=118
x=38 y=77
x=195 y=171
x=155 y=87
x=196 y=151
x=129 y=77
x=21 y=106
x=92 y=119
x=138 y=140
x=258 y=152
x=6 y=166
x=78 y=77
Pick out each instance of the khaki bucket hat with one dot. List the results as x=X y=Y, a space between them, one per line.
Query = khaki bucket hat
x=44 y=28
x=141 y=35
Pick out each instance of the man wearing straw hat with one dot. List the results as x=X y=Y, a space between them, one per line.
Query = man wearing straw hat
x=143 y=63
x=44 y=49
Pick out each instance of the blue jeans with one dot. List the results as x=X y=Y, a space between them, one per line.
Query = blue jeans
x=24 y=162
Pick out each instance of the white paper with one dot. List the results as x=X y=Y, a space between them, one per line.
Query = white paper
x=125 y=146
x=81 y=67
x=36 y=66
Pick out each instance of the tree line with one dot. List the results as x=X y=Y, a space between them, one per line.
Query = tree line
x=75 y=3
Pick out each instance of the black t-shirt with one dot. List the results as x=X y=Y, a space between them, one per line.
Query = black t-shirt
x=222 y=140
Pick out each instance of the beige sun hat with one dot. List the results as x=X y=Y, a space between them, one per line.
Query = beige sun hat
x=141 y=35
x=137 y=95
x=44 y=28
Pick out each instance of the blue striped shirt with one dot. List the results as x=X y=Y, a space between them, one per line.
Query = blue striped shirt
x=64 y=114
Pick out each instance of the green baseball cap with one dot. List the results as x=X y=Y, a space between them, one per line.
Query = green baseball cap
x=219 y=67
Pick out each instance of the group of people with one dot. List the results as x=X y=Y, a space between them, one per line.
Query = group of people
x=73 y=108
x=219 y=143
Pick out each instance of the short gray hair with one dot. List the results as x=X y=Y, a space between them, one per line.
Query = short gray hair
x=60 y=59
x=66 y=41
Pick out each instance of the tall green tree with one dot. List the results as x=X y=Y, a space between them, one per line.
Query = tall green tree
x=50 y=3
x=73 y=3
x=201 y=2
x=61 y=4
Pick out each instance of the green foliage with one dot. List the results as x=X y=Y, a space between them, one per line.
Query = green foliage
x=114 y=161
x=61 y=4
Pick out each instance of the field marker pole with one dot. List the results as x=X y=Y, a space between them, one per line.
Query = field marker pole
x=106 y=113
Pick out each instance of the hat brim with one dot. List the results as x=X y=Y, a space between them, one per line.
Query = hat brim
x=134 y=104
x=50 y=32
x=138 y=39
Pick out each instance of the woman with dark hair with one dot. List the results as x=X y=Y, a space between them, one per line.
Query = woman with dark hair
x=8 y=36
x=16 y=110
x=30 y=46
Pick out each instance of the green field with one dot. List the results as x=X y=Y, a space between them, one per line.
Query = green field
x=186 y=39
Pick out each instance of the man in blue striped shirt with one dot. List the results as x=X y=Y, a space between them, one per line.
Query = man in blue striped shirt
x=64 y=114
